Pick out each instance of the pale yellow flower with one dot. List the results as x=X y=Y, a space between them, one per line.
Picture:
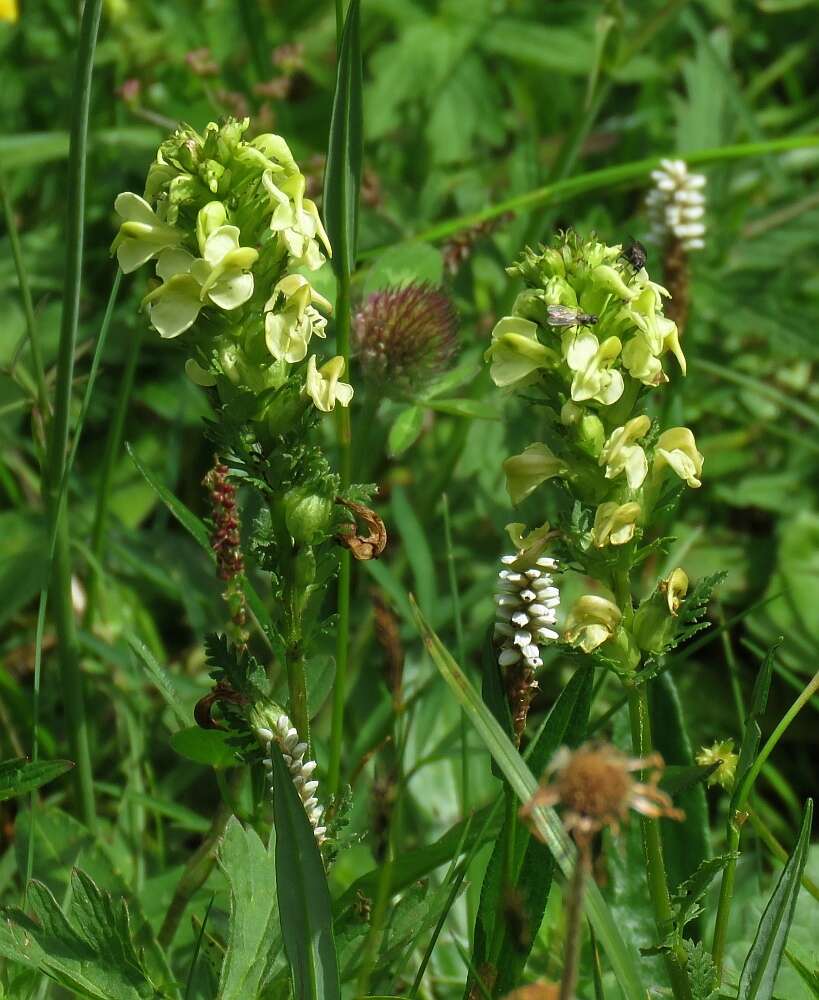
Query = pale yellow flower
x=621 y=454
x=323 y=384
x=677 y=448
x=614 y=523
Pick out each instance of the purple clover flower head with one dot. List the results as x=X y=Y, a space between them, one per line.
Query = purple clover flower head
x=405 y=337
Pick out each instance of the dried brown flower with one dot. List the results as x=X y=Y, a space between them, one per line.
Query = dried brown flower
x=595 y=788
x=363 y=547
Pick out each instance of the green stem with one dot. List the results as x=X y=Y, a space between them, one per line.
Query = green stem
x=297 y=689
x=68 y=653
x=112 y=449
x=28 y=305
x=345 y=563
x=736 y=820
x=574 y=923
x=653 y=850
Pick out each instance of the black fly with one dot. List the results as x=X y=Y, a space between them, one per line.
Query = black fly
x=568 y=316
x=635 y=254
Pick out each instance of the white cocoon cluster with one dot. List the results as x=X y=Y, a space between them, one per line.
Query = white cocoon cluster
x=301 y=771
x=676 y=205
x=526 y=612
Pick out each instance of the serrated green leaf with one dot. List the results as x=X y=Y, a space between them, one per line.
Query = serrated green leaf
x=756 y=982
x=305 y=909
x=687 y=895
x=19 y=776
x=253 y=950
x=342 y=179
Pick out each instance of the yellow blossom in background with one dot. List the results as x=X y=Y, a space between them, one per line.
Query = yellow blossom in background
x=9 y=11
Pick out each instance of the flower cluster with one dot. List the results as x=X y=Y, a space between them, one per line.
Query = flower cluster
x=676 y=205
x=405 y=337
x=230 y=230
x=587 y=339
x=283 y=733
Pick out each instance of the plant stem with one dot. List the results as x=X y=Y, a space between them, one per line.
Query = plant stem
x=345 y=565
x=737 y=817
x=297 y=689
x=64 y=613
x=28 y=305
x=653 y=850
x=574 y=923
x=113 y=444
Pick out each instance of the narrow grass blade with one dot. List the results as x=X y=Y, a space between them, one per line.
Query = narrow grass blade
x=342 y=179
x=545 y=820
x=189 y=521
x=759 y=972
x=305 y=908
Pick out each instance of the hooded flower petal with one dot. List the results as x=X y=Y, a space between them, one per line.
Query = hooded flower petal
x=677 y=448
x=621 y=454
x=288 y=330
x=614 y=523
x=525 y=472
x=592 y=620
x=322 y=385
x=142 y=234
x=515 y=352
x=597 y=380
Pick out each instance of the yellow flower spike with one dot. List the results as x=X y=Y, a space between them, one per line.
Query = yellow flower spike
x=677 y=448
x=675 y=587
x=592 y=621
x=621 y=454
x=525 y=472
x=614 y=523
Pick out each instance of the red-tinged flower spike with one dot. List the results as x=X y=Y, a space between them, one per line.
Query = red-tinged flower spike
x=226 y=542
x=405 y=337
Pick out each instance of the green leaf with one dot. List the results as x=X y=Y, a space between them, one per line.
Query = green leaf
x=205 y=746
x=752 y=734
x=545 y=820
x=254 y=938
x=19 y=776
x=405 y=430
x=404 y=264
x=160 y=678
x=416 y=547
x=686 y=897
x=756 y=982
x=91 y=954
x=305 y=908
x=342 y=179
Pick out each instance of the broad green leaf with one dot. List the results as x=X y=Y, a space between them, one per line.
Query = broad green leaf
x=405 y=430
x=759 y=972
x=20 y=775
x=205 y=746
x=254 y=939
x=305 y=908
x=545 y=820
x=404 y=264
x=342 y=179
x=91 y=952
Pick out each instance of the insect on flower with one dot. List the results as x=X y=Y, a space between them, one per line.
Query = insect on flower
x=568 y=316
x=635 y=253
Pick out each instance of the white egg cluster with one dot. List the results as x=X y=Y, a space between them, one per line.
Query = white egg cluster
x=301 y=771
x=527 y=602
x=676 y=205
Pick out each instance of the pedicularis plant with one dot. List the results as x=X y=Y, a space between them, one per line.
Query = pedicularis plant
x=232 y=239
x=587 y=346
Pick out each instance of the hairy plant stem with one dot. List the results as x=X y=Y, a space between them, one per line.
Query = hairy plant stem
x=737 y=816
x=200 y=864
x=653 y=850
x=574 y=922
x=68 y=653
x=345 y=564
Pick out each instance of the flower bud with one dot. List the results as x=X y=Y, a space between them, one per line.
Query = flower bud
x=307 y=515
x=591 y=434
x=721 y=753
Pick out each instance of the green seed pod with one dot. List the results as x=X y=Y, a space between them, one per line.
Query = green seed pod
x=307 y=515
